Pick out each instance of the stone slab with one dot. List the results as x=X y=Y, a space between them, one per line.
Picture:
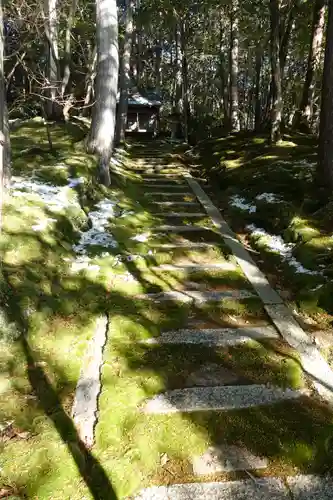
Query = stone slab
x=216 y=337
x=157 y=193
x=224 y=266
x=311 y=487
x=156 y=185
x=313 y=363
x=196 y=296
x=260 y=489
x=84 y=410
x=180 y=203
x=181 y=229
x=242 y=256
x=222 y=398
x=180 y=214
x=185 y=244
x=218 y=459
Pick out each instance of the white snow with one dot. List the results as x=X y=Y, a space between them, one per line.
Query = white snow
x=241 y=203
x=97 y=234
x=76 y=181
x=55 y=197
x=277 y=245
x=42 y=224
x=83 y=262
x=268 y=198
x=141 y=237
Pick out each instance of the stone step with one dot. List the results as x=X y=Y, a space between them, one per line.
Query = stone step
x=224 y=266
x=196 y=296
x=181 y=229
x=224 y=398
x=224 y=458
x=170 y=193
x=215 y=337
x=180 y=214
x=299 y=487
x=186 y=245
x=164 y=186
x=154 y=177
x=180 y=203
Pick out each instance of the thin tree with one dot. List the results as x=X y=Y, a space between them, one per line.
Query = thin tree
x=234 y=49
x=102 y=130
x=276 y=115
x=125 y=68
x=325 y=152
x=4 y=128
x=304 y=114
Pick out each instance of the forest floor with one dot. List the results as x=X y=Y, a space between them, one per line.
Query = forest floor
x=192 y=360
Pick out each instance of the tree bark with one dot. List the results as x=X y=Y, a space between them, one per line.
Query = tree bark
x=103 y=121
x=158 y=66
x=184 y=79
x=4 y=126
x=234 y=49
x=178 y=104
x=325 y=151
x=67 y=51
x=304 y=114
x=125 y=75
x=257 y=103
x=276 y=115
x=52 y=107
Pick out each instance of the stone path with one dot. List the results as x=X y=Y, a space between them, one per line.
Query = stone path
x=215 y=389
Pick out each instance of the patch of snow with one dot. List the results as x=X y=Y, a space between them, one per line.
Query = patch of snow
x=55 y=197
x=76 y=181
x=277 y=245
x=268 y=198
x=116 y=162
x=239 y=202
x=83 y=262
x=42 y=224
x=142 y=238
x=96 y=235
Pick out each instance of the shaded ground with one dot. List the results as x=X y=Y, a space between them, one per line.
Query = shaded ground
x=51 y=311
x=245 y=168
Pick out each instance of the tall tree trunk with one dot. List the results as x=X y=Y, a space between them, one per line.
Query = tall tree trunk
x=158 y=66
x=178 y=76
x=234 y=44
x=325 y=152
x=224 y=74
x=90 y=79
x=276 y=116
x=257 y=102
x=184 y=79
x=125 y=66
x=139 y=66
x=4 y=127
x=103 y=121
x=53 y=110
x=286 y=35
x=304 y=114
x=67 y=51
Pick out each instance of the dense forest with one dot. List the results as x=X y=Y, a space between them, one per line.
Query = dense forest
x=223 y=66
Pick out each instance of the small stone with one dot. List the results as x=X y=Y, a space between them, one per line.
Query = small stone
x=226 y=459
x=164 y=459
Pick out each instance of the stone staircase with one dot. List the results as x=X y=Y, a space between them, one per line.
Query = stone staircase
x=174 y=196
